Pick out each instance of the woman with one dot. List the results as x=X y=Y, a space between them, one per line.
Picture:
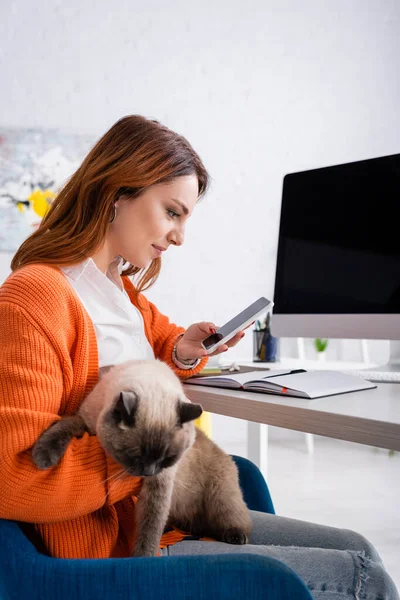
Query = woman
x=65 y=311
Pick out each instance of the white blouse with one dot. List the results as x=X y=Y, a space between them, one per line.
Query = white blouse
x=118 y=323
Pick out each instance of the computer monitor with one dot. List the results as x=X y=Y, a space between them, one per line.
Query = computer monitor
x=338 y=262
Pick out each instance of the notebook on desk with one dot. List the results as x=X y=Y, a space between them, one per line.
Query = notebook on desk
x=298 y=383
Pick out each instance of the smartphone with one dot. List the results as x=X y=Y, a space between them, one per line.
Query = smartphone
x=227 y=331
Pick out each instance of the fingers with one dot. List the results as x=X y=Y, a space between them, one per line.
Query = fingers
x=239 y=336
x=219 y=350
x=200 y=353
x=207 y=327
x=224 y=347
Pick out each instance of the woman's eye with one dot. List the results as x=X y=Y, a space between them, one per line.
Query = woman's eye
x=172 y=213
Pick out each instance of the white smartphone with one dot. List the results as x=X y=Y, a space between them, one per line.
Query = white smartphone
x=227 y=331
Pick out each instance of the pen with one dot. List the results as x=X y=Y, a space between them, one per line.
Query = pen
x=284 y=374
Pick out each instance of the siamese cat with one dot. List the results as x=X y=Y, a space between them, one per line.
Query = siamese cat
x=142 y=418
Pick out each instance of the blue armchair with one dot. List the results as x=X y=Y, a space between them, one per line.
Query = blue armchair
x=25 y=573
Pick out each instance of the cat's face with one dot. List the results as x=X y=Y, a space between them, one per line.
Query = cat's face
x=143 y=444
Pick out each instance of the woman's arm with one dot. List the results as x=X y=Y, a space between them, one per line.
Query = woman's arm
x=32 y=392
x=160 y=331
x=165 y=335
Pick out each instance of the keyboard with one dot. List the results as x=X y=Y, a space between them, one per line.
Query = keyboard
x=379 y=376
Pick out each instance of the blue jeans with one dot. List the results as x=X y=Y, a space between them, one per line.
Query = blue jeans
x=334 y=563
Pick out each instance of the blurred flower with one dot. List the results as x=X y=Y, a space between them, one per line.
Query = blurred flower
x=40 y=201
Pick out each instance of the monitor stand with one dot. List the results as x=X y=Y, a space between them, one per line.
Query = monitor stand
x=393 y=365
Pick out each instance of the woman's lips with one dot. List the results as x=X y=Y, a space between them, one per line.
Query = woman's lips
x=158 y=249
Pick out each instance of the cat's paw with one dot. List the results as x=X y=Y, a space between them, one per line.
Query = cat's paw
x=234 y=535
x=47 y=453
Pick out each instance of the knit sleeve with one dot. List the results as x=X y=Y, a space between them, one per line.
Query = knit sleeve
x=165 y=335
x=32 y=393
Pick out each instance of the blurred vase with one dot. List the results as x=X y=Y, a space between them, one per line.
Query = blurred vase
x=265 y=346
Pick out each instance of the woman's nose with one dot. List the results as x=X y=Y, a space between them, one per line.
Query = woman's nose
x=177 y=237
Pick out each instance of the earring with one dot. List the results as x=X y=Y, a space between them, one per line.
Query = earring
x=113 y=215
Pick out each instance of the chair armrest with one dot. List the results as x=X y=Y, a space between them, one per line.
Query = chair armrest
x=25 y=573
x=254 y=487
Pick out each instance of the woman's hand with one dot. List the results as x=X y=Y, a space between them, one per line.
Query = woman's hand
x=189 y=346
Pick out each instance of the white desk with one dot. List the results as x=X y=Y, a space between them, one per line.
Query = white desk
x=369 y=417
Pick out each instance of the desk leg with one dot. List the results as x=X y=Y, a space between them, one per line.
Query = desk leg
x=310 y=443
x=257 y=445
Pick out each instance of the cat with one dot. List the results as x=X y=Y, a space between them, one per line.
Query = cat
x=143 y=419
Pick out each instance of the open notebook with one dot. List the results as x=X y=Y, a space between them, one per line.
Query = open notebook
x=298 y=383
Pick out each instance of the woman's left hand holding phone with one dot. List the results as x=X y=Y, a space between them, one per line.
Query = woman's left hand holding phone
x=189 y=346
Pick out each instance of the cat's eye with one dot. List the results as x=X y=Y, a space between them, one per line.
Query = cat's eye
x=168 y=461
x=133 y=454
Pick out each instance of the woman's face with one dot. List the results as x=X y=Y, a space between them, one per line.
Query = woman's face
x=144 y=227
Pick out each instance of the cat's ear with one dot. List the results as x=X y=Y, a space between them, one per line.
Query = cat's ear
x=125 y=408
x=187 y=411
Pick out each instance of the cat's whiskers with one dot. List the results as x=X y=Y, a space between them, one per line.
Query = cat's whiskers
x=184 y=486
x=104 y=481
x=119 y=475
x=115 y=475
x=122 y=474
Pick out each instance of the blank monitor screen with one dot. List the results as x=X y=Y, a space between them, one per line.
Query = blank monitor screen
x=339 y=240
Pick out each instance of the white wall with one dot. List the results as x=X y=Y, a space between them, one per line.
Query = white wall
x=260 y=89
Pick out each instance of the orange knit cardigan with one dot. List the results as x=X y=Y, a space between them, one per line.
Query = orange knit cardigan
x=48 y=364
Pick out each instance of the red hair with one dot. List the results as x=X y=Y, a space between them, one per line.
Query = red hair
x=133 y=155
